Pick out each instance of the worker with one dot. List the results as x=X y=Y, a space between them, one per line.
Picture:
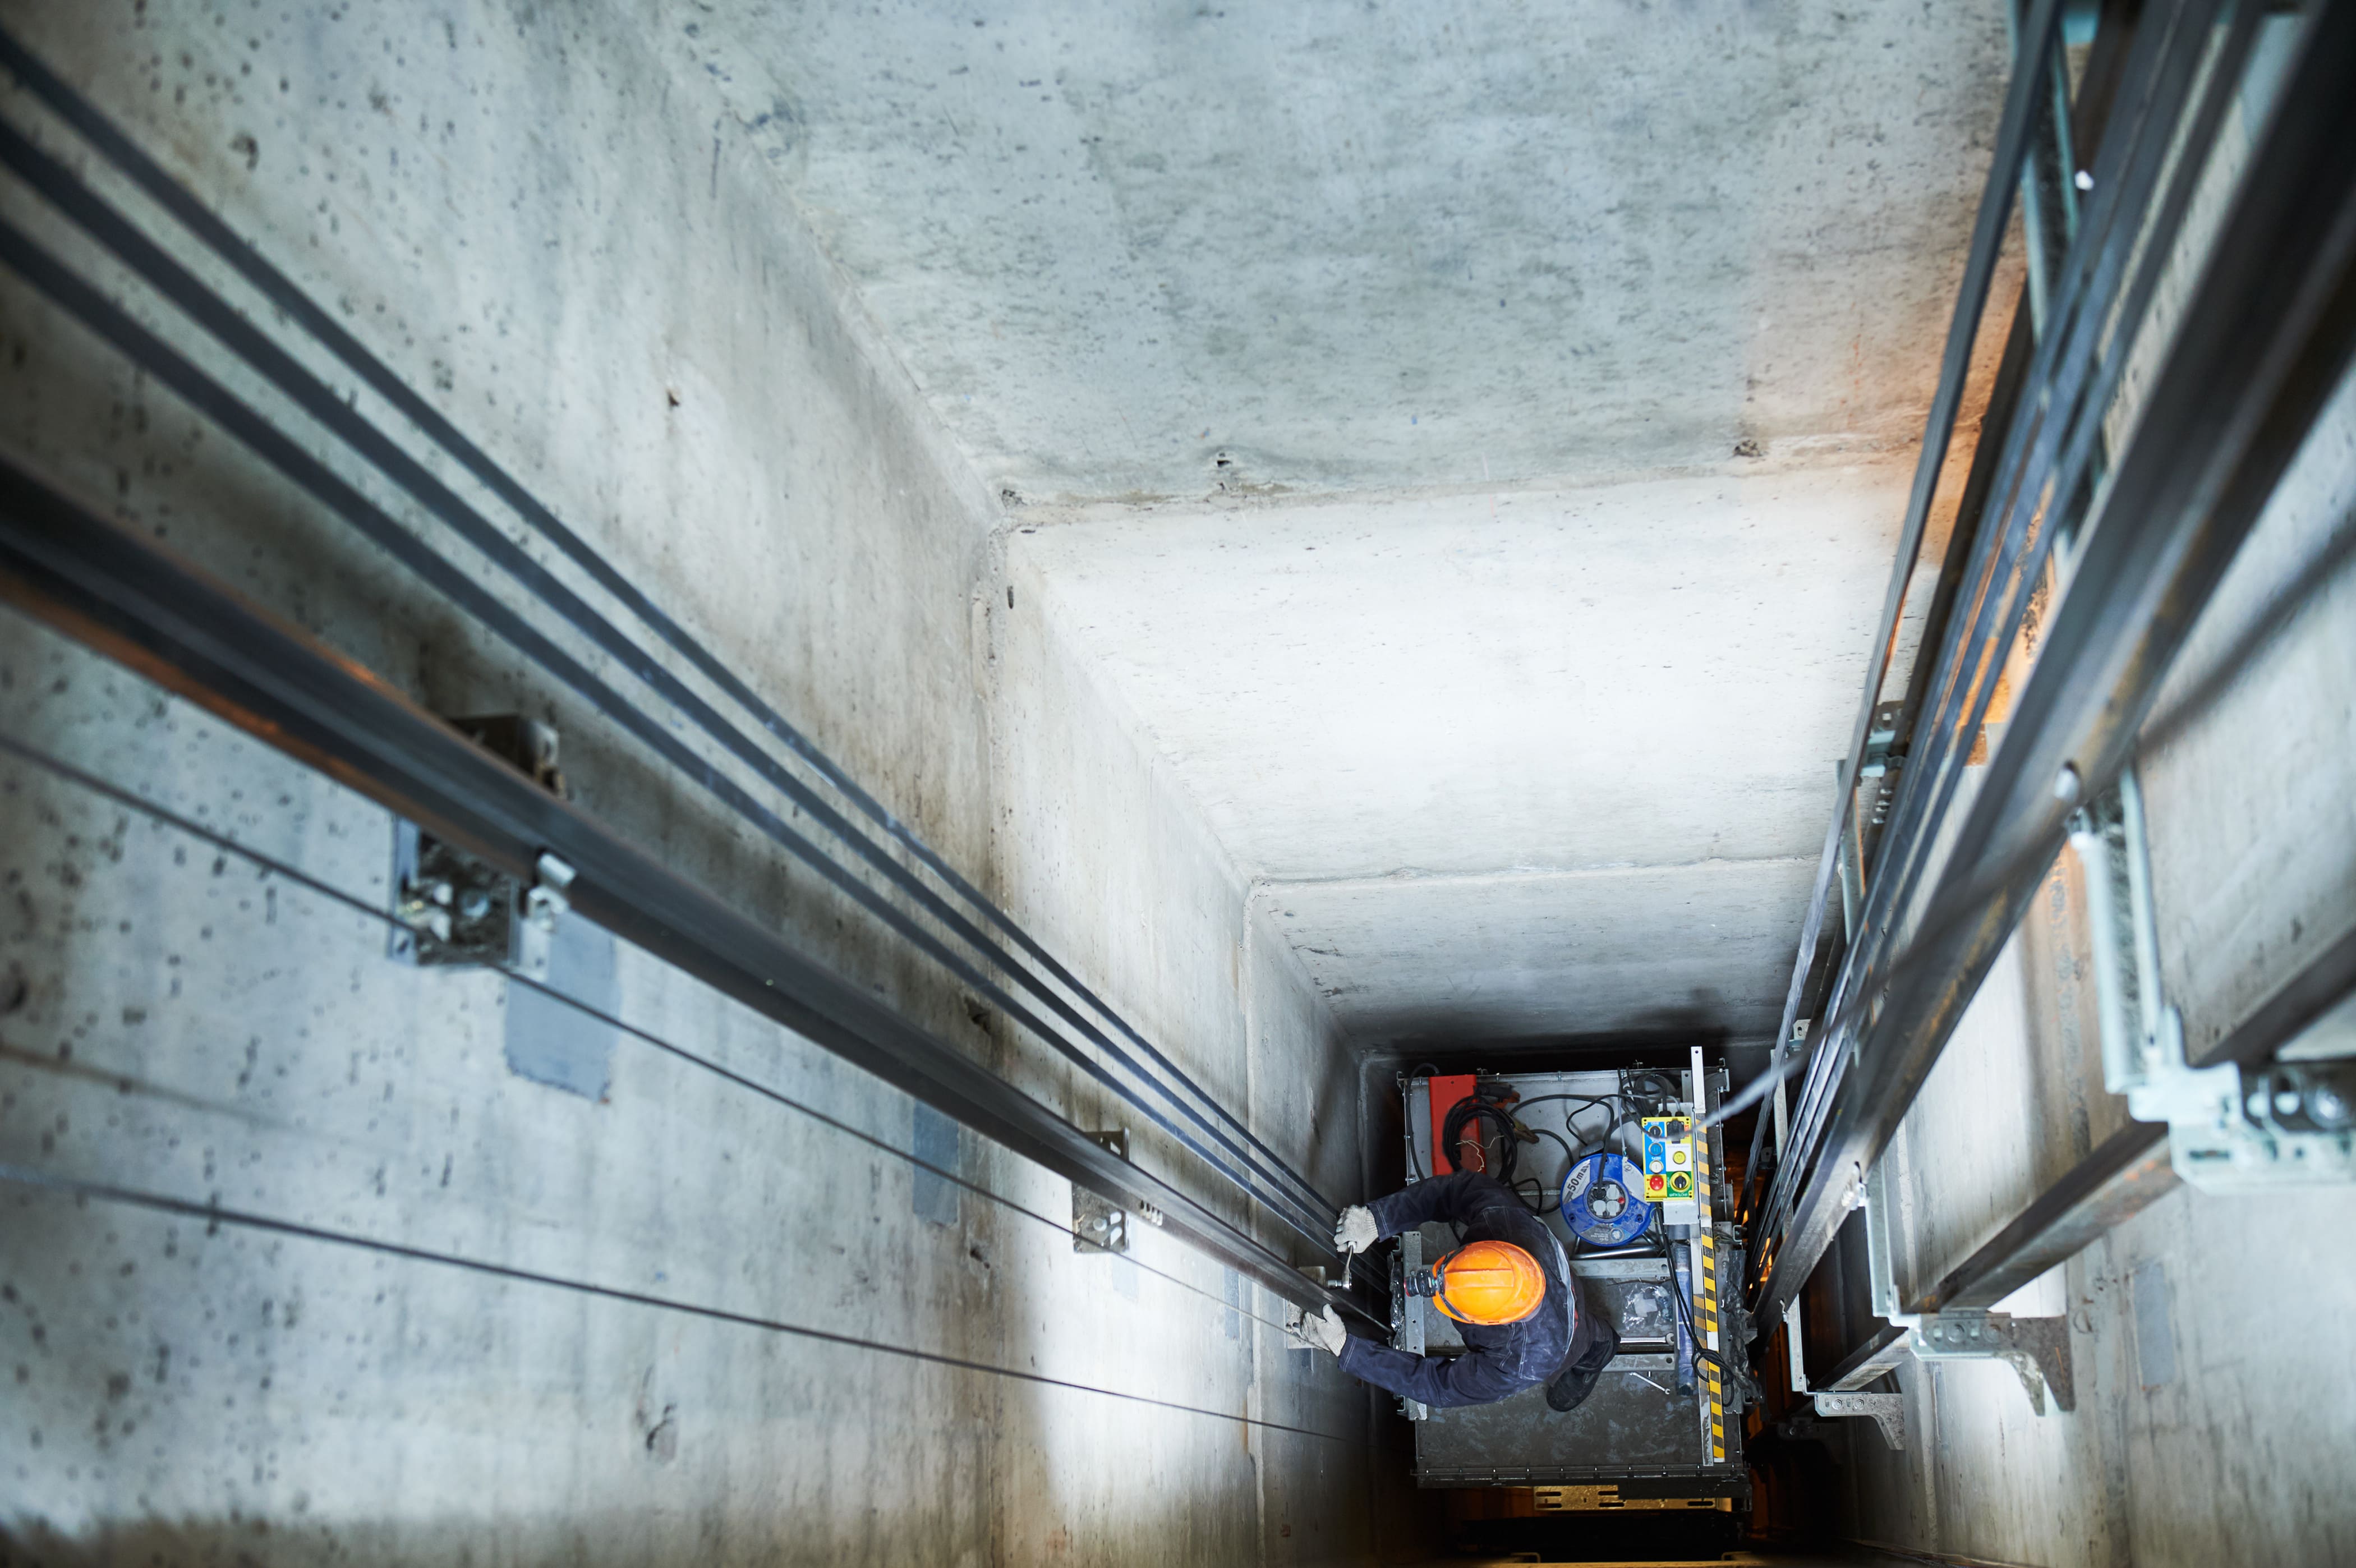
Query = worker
x=1508 y=1286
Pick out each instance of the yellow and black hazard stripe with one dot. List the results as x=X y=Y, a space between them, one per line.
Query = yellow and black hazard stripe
x=1706 y=1298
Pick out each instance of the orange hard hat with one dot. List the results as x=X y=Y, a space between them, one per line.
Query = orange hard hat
x=1488 y=1282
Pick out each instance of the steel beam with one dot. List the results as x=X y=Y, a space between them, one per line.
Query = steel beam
x=138 y=604
x=2131 y=1170
x=975 y=957
x=2039 y=35
x=2126 y=1175
x=1879 y=1356
x=2261 y=345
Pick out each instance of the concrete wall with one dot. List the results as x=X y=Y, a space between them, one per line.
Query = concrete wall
x=1529 y=760
x=553 y=233
x=2212 y=1422
x=1470 y=439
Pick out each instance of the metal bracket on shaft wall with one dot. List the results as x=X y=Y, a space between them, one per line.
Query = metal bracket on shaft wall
x=1099 y=1225
x=2229 y=1129
x=1407 y=1312
x=457 y=909
x=135 y=603
x=2037 y=1348
x=1887 y=1411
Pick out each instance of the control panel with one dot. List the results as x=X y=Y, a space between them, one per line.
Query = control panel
x=1669 y=1169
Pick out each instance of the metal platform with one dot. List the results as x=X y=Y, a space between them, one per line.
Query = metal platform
x=1634 y=1427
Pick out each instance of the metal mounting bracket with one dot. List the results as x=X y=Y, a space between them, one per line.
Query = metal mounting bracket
x=1097 y=1225
x=1887 y=1411
x=454 y=909
x=1407 y=1312
x=2229 y=1129
x=2037 y=1348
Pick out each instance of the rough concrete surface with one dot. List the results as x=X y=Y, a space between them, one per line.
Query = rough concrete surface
x=521 y=211
x=1336 y=247
x=1358 y=526
x=2213 y=1418
x=1460 y=737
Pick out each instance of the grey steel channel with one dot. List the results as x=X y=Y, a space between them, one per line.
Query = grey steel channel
x=2261 y=345
x=2040 y=35
x=1289 y=1195
x=2053 y=433
x=2158 y=73
x=2130 y=1171
x=137 y=604
x=2004 y=561
x=1979 y=553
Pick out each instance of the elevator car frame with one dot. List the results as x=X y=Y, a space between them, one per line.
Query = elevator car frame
x=1637 y=1443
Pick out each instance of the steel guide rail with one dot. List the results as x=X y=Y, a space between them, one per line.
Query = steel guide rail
x=2045 y=467
x=1238 y=1155
x=2263 y=342
x=2033 y=471
x=140 y=606
x=2043 y=26
x=2002 y=554
x=294 y=876
x=2131 y=1169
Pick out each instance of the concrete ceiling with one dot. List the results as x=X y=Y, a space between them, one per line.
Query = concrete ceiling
x=1507 y=761
x=1367 y=383
x=1350 y=245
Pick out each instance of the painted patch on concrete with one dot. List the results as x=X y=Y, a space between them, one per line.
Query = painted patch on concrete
x=551 y=1043
x=935 y=1139
x=2155 y=1346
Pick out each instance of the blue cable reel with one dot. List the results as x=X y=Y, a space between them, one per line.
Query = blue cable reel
x=1599 y=1201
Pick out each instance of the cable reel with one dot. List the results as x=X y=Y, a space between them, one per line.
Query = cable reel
x=1599 y=1200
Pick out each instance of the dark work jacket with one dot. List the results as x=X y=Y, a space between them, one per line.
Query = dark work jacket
x=1499 y=1361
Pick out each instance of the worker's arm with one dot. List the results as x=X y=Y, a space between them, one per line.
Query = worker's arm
x=1477 y=1376
x=1456 y=1198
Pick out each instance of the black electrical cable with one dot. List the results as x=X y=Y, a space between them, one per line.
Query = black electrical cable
x=1584 y=1146
x=1669 y=1091
x=1568 y=1152
x=1581 y=1098
x=1746 y=1387
x=327 y=890
x=213 y=1214
x=1460 y=1118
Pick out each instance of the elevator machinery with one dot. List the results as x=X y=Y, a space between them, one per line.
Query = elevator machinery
x=1611 y=1159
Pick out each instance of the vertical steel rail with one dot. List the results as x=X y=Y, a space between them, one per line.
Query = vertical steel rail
x=2263 y=342
x=2040 y=35
x=1289 y=1187
x=2045 y=458
x=139 y=605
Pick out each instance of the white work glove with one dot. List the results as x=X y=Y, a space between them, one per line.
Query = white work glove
x=1355 y=1231
x=1323 y=1329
